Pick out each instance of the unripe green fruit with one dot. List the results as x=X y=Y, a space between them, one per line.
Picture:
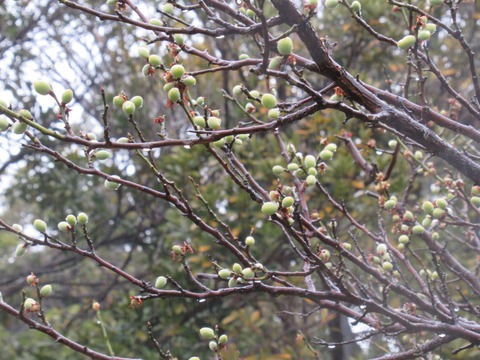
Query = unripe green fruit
x=435 y=236
x=441 y=203
x=91 y=136
x=381 y=249
x=311 y=180
x=200 y=101
x=254 y=94
x=418 y=155
x=237 y=90
x=155 y=60
x=430 y=27
x=326 y=155
x=123 y=140
x=269 y=208
x=250 y=13
x=17 y=227
x=42 y=87
x=392 y=144
x=207 y=333
x=160 y=282
x=19 y=127
x=4 y=123
x=213 y=345
x=438 y=213
x=424 y=35
x=219 y=143
x=285 y=46
x=275 y=63
x=71 y=220
x=137 y=101
x=475 y=200
x=214 y=122
x=179 y=39
x=118 y=100
x=46 y=290
x=223 y=339
x=331 y=147
x=112 y=185
x=237 y=268
x=29 y=303
x=356 y=6
x=177 y=249
x=387 y=266
x=174 y=95
x=82 y=218
x=168 y=86
x=312 y=171
x=336 y=97
x=408 y=216
x=427 y=221
x=199 y=121
x=224 y=273
x=400 y=246
x=40 y=225
x=331 y=4
x=475 y=190
x=278 y=170
x=20 y=250
x=390 y=204
x=232 y=282
x=403 y=239
x=189 y=81
x=406 y=42
x=63 y=226
x=156 y=22
x=143 y=52
x=215 y=113
x=287 y=201
x=249 y=108
x=310 y=161
x=418 y=229
x=428 y=207
x=168 y=8
x=4 y=103
x=436 y=2
x=128 y=107
x=26 y=114
x=292 y=167
x=177 y=71
x=67 y=96
x=243 y=57
x=146 y=70
x=273 y=113
x=249 y=241
x=248 y=273
x=102 y=155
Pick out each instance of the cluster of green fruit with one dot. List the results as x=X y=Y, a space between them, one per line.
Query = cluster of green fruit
x=70 y=222
x=216 y=342
x=424 y=33
x=238 y=274
x=383 y=257
x=475 y=196
x=128 y=106
x=267 y=100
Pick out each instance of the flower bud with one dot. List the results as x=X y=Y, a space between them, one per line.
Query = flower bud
x=46 y=290
x=160 y=282
x=207 y=333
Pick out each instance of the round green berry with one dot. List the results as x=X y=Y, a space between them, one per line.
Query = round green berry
x=248 y=273
x=310 y=161
x=174 y=95
x=4 y=123
x=273 y=113
x=40 y=225
x=438 y=213
x=407 y=42
x=160 y=282
x=269 y=208
x=155 y=60
x=26 y=114
x=71 y=219
x=82 y=218
x=285 y=46
x=249 y=241
x=237 y=90
x=418 y=229
x=128 y=107
x=243 y=57
x=156 y=22
x=387 y=266
x=311 y=180
x=167 y=8
x=189 y=81
x=118 y=100
x=424 y=35
x=143 y=52
x=430 y=27
x=331 y=147
x=356 y=6
x=112 y=185
x=63 y=226
x=223 y=339
x=207 y=333
x=441 y=203
x=326 y=155
x=199 y=121
x=331 y=4
x=137 y=101
x=177 y=249
x=214 y=123
x=19 y=128
x=46 y=290
x=390 y=204
x=269 y=101
x=29 y=304
x=67 y=96
x=275 y=63
x=42 y=87
x=177 y=71
x=278 y=170
x=102 y=155
x=475 y=200
x=427 y=207
x=20 y=250
x=224 y=273
x=237 y=268
x=287 y=201
x=381 y=249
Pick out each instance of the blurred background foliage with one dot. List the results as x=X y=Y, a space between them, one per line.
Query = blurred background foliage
x=42 y=39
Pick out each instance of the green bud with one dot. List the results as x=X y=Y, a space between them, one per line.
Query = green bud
x=102 y=155
x=243 y=57
x=177 y=71
x=407 y=42
x=232 y=282
x=128 y=107
x=213 y=345
x=381 y=249
x=441 y=203
x=20 y=250
x=174 y=95
x=82 y=218
x=292 y=167
x=42 y=87
x=207 y=333
x=326 y=155
x=427 y=207
x=160 y=282
x=331 y=147
x=67 y=96
x=4 y=123
x=356 y=6
x=475 y=200
x=189 y=81
x=430 y=27
x=112 y=185
x=63 y=226
x=214 y=122
x=156 y=22
x=40 y=225
x=249 y=241
x=418 y=229
x=287 y=201
x=403 y=239
x=143 y=52
x=29 y=304
x=17 y=227
x=177 y=249
x=199 y=121
x=155 y=60
x=118 y=100
x=310 y=161
x=248 y=273
x=331 y=4
x=438 y=213
x=311 y=180
x=390 y=204
x=424 y=35
x=224 y=273
x=278 y=170
x=137 y=101
x=237 y=268
x=46 y=290
x=269 y=208
x=275 y=63
x=269 y=101
x=167 y=8
x=285 y=46
x=71 y=219
x=427 y=221
x=223 y=339
x=274 y=113
x=387 y=266
x=237 y=90
x=392 y=144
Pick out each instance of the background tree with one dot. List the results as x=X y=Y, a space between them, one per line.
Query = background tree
x=340 y=187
